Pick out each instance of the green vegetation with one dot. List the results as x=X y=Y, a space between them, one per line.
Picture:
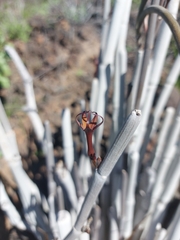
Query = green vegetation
x=39 y=153
x=18 y=30
x=4 y=67
x=80 y=73
x=4 y=73
x=13 y=106
x=39 y=8
x=13 y=26
x=76 y=14
x=173 y=48
x=14 y=18
x=136 y=2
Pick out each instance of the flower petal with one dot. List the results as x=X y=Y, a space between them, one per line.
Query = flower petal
x=84 y=121
x=93 y=122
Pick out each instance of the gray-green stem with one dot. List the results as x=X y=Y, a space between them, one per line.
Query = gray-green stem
x=105 y=169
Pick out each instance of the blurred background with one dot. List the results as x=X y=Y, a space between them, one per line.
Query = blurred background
x=59 y=42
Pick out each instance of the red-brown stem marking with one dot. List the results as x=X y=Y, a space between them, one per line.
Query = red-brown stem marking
x=88 y=126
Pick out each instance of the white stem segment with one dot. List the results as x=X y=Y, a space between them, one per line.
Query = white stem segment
x=146 y=82
x=67 y=139
x=160 y=51
x=64 y=223
x=122 y=219
x=94 y=94
x=160 y=234
x=3 y=118
x=119 y=88
x=162 y=44
x=114 y=231
x=31 y=103
x=104 y=79
x=9 y=133
x=135 y=81
x=166 y=196
x=106 y=20
x=166 y=161
x=50 y=163
x=65 y=179
x=84 y=236
x=9 y=209
x=120 y=71
x=28 y=191
x=105 y=70
x=31 y=107
x=167 y=88
x=114 y=32
x=146 y=184
x=162 y=138
x=52 y=217
x=130 y=201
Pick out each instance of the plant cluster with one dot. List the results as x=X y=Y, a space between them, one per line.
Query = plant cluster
x=130 y=193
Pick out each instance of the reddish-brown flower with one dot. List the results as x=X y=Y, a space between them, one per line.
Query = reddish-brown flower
x=89 y=122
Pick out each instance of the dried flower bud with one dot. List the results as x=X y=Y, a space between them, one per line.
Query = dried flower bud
x=88 y=123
